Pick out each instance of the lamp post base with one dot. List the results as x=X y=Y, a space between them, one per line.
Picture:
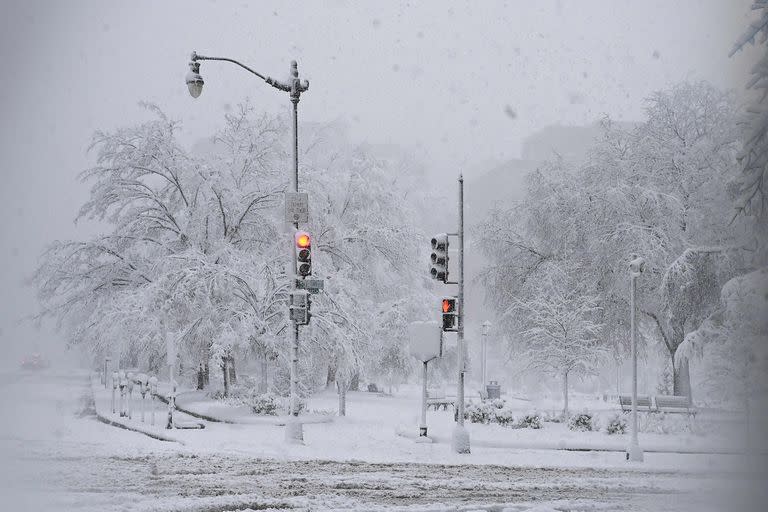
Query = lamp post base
x=634 y=453
x=460 y=439
x=294 y=431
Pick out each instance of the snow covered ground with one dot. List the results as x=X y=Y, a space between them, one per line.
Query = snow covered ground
x=58 y=457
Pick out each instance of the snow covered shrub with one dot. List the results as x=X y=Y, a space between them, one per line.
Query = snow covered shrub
x=582 y=422
x=478 y=412
x=498 y=403
x=502 y=416
x=617 y=424
x=264 y=404
x=531 y=420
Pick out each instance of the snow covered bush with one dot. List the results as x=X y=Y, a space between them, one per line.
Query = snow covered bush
x=531 y=420
x=616 y=425
x=265 y=404
x=498 y=403
x=582 y=422
x=503 y=416
x=478 y=412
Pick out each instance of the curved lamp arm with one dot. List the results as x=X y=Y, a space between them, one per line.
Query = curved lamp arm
x=271 y=81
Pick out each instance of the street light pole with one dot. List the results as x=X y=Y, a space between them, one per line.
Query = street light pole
x=294 y=430
x=636 y=266
x=484 y=354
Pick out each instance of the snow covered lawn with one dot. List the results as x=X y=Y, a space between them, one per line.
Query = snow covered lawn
x=381 y=428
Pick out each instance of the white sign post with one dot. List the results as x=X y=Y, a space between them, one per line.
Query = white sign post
x=426 y=343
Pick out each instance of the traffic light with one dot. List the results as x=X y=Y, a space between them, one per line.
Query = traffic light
x=448 y=308
x=299 y=307
x=303 y=254
x=439 y=258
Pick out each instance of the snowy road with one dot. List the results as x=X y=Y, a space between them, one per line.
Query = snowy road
x=55 y=460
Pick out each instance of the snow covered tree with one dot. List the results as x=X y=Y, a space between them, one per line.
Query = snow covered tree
x=654 y=189
x=753 y=198
x=732 y=343
x=689 y=293
x=558 y=329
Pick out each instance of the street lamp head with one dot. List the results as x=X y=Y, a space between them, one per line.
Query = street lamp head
x=194 y=80
x=636 y=266
x=486 y=327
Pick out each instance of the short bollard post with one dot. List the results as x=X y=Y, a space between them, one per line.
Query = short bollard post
x=171 y=405
x=152 y=393
x=122 y=386
x=115 y=379
x=106 y=369
x=143 y=386
x=130 y=395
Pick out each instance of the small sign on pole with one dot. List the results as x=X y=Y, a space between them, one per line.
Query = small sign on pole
x=426 y=341
x=311 y=285
x=297 y=207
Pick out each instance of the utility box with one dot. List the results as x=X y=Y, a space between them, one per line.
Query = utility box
x=493 y=390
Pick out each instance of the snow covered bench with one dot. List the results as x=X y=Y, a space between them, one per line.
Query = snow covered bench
x=437 y=402
x=674 y=404
x=643 y=403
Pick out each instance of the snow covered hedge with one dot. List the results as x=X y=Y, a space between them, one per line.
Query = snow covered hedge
x=617 y=424
x=582 y=422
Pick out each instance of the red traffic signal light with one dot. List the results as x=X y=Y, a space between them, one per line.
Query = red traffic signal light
x=449 y=314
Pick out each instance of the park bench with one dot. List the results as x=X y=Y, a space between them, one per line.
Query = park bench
x=437 y=399
x=674 y=404
x=643 y=403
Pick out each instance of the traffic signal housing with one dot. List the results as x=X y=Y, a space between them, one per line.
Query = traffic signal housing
x=303 y=254
x=448 y=310
x=439 y=258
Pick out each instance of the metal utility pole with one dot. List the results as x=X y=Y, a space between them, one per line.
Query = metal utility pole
x=460 y=434
x=294 y=432
x=636 y=266
x=295 y=86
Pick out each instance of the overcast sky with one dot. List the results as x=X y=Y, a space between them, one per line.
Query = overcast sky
x=460 y=82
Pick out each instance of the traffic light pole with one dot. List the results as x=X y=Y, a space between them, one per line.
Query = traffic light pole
x=460 y=434
x=294 y=432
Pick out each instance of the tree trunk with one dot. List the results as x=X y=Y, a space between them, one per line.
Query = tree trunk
x=232 y=372
x=264 y=385
x=225 y=370
x=565 y=395
x=330 y=378
x=682 y=380
x=341 y=387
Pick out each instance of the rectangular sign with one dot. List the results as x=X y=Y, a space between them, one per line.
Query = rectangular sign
x=311 y=285
x=426 y=340
x=297 y=207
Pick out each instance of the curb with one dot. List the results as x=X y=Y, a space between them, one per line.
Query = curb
x=563 y=447
x=194 y=414
x=153 y=435
x=267 y=420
